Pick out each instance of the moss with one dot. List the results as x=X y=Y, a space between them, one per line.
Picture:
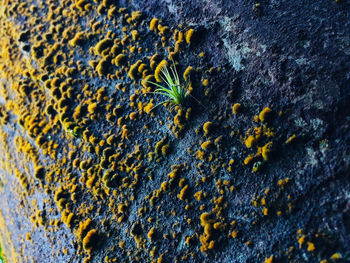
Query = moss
x=263 y=115
x=157 y=72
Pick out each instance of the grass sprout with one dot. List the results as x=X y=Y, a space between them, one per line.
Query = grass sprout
x=175 y=92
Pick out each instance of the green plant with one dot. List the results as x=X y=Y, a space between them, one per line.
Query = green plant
x=1 y=258
x=175 y=92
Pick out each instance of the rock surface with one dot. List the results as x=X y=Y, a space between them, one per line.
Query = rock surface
x=254 y=167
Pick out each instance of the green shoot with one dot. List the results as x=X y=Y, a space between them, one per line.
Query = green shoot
x=175 y=92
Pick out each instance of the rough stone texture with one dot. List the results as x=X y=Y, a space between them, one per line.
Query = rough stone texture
x=293 y=57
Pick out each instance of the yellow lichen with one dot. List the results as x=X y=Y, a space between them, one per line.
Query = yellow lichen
x=153 y=24
x=148 y=107
x=151 y=233
x=134 y=34
x=269 y=260
x=264 y=114
x=248 y=159
x=205 y=82
x=183 y=193
x=336 y=256
x=206 y=145
x=78 y=39
x=207 y=127
x=235 y=108
x=187 y=73
x=90 y=240
x=310 y=246
x=188 y=35
x=249 y=142
x=103 y=45
x=133 y=71
x=120 y=60
x=290 y=139
x=266 y=149
x=92 y=108
x=157 y=72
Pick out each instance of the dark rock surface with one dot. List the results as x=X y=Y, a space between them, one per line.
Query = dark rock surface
x=289 y=204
